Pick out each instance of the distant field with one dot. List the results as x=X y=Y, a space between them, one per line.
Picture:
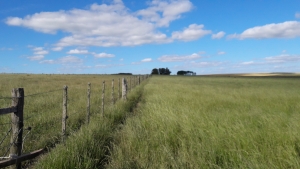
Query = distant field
x=259 y=75
x=213 y=122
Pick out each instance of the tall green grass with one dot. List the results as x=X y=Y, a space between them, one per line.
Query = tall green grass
x=205 y=122
x=90 y=147
x=43 y=109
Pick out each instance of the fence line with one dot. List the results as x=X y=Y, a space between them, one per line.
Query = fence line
x=17 y=140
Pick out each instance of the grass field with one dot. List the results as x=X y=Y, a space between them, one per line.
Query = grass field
x=213 y=122
x=179 y=122
x=43 y=109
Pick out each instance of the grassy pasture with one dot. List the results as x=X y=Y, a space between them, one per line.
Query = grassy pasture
x=212 y=122
x=43 y=112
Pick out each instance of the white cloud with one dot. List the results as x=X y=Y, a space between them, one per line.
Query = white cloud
x=47 y=61
x=206 y=64
x=109 y=25
x=297 y=15
x=39 y=50
x=108 y=66
x=76 y=51
x=283 y=58
x=57 y=48
x=146 y=60
x=193 y=32
x=221 y=53
x=38 y=57
x=103 y=55
x=289 y=29
x=218 y=35
x=69 y=59
x=172 y=58
x=64 y=60
x=248 y=63
x=39 y=53
x=161 y=13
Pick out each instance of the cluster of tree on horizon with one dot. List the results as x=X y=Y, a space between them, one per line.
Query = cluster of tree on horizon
x=183 y=72
x=161 y=71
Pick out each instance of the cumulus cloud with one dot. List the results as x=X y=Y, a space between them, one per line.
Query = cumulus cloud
x=47 y=61
x=76 y=51
x=70 y=59
x=108 y=65
x=142 y=61
x=278 y=61
x=161 y=13
x=38 y=57
x=248 y=63
x=103 y=55
x=283 y=58
x=206 y=64
x=172 y=58
x=57 y=48
x=193 y=32
x=146 y=60
x=39 y=51
x=288 y=29
x=64 y=60
x=218 y=35
x=111 y=24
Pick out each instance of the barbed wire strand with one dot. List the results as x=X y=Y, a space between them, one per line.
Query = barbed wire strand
x=10 y=145
x=35 y=94
x=7 y=133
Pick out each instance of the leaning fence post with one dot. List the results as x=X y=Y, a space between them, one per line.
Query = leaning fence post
x=88 y=104
x=112 y=92
x=103 y=92
x=64 y=114
x=124 y=89
x=17 y=124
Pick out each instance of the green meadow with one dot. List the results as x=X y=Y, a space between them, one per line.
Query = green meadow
x=213 y=122
x=167 y=122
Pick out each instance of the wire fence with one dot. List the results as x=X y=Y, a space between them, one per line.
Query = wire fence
x=47 y=117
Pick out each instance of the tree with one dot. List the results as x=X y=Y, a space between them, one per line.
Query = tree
x=154 y=71
x=161 y=71
x=167 y=72
x=181 y=72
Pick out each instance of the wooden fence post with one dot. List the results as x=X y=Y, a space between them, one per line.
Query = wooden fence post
x=103 y=92
x=17 y=124
x=124 y=89
x=88 y=104
x=112 y=92
x=130 y=83
x=64 y=114
x=139 y=80
x=119 y=90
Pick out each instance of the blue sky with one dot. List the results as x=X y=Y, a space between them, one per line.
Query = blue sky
x=113 y=36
